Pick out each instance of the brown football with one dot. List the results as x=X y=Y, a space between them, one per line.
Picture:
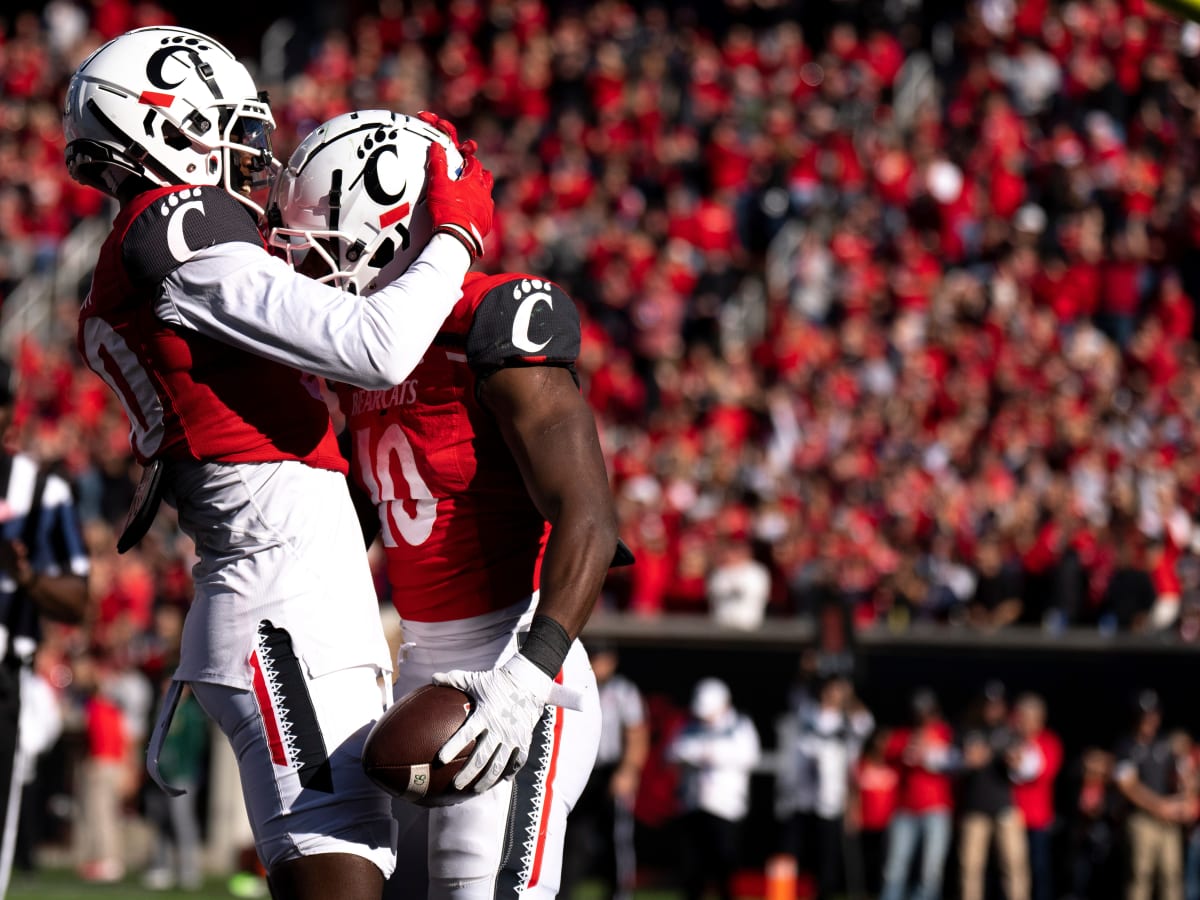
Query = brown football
x=400 y=754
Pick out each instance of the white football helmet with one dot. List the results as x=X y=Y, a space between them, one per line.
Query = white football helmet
x=353 y=193
x=170 y=106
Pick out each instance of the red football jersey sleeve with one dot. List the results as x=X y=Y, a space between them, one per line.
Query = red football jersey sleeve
x=188 y=396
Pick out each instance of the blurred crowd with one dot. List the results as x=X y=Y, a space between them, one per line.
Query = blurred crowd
x=883 y=299
x=980 y=801
x=887 y=302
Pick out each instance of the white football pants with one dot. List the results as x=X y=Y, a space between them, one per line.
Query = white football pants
x=506 y=842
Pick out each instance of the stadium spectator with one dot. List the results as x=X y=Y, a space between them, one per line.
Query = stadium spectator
x=1034 y=763
x=716 y=751
x=104 y=775
x=988 y=814
x=875 y=787
x=818 y=753
x=925 y=755
x=1146 y=772
x=177 y=854
x=739 y=586
x=40 y=727
x=1191 y=853
x=43 y=574
x=1095 y=866
x=996 y=601
x=1129 y=595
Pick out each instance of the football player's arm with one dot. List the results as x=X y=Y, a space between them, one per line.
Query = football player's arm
x=232 y=290
x=551 y=433
x=240 y=295
x=552 y=436
x=522 y=341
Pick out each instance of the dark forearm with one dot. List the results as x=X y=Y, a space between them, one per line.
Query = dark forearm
x=552 y=435
x=59 y=597
x=578 y=552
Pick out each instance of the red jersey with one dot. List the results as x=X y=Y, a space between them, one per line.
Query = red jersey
x=924 y=787
x=1035 y=798
x=461 y=535
x=878 y=786
x=189 y=396
x=105 y=729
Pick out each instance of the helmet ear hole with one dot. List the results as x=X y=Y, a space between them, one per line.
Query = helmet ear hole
x=384 y=255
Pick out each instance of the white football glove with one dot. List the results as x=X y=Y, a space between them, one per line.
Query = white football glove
x=508 y=703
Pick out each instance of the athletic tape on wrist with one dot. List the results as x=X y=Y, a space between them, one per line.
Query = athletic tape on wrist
x=546 y=645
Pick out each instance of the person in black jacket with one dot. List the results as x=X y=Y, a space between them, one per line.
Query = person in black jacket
x=988 y=813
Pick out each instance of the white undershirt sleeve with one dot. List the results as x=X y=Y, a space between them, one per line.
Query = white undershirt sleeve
x=240 y=295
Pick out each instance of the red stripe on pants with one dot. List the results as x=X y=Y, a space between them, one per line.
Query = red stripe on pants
x=274 y=739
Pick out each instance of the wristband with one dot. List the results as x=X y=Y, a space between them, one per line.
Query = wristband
x=546 y=645
x=474 y=248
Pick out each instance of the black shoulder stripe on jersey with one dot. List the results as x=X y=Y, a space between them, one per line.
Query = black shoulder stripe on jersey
x=525 y=321
x=169 y=231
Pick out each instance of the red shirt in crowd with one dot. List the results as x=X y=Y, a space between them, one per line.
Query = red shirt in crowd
x=878 y=790
x=105 y=729
x=1035 y=797
x=923 y=787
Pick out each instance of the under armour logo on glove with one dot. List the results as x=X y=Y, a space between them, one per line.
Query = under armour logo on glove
x=508 y=703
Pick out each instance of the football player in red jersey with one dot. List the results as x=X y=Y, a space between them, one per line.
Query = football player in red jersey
x=493 y=501
x=203 y=335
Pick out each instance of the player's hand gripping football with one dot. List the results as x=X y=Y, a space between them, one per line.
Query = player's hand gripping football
x=509 y=700
x=461 y=208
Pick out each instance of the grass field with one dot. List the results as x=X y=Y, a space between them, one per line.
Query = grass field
x=65 y=885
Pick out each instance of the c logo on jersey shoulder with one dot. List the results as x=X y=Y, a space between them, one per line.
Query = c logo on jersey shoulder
x=177 y=206
x=534 y=292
